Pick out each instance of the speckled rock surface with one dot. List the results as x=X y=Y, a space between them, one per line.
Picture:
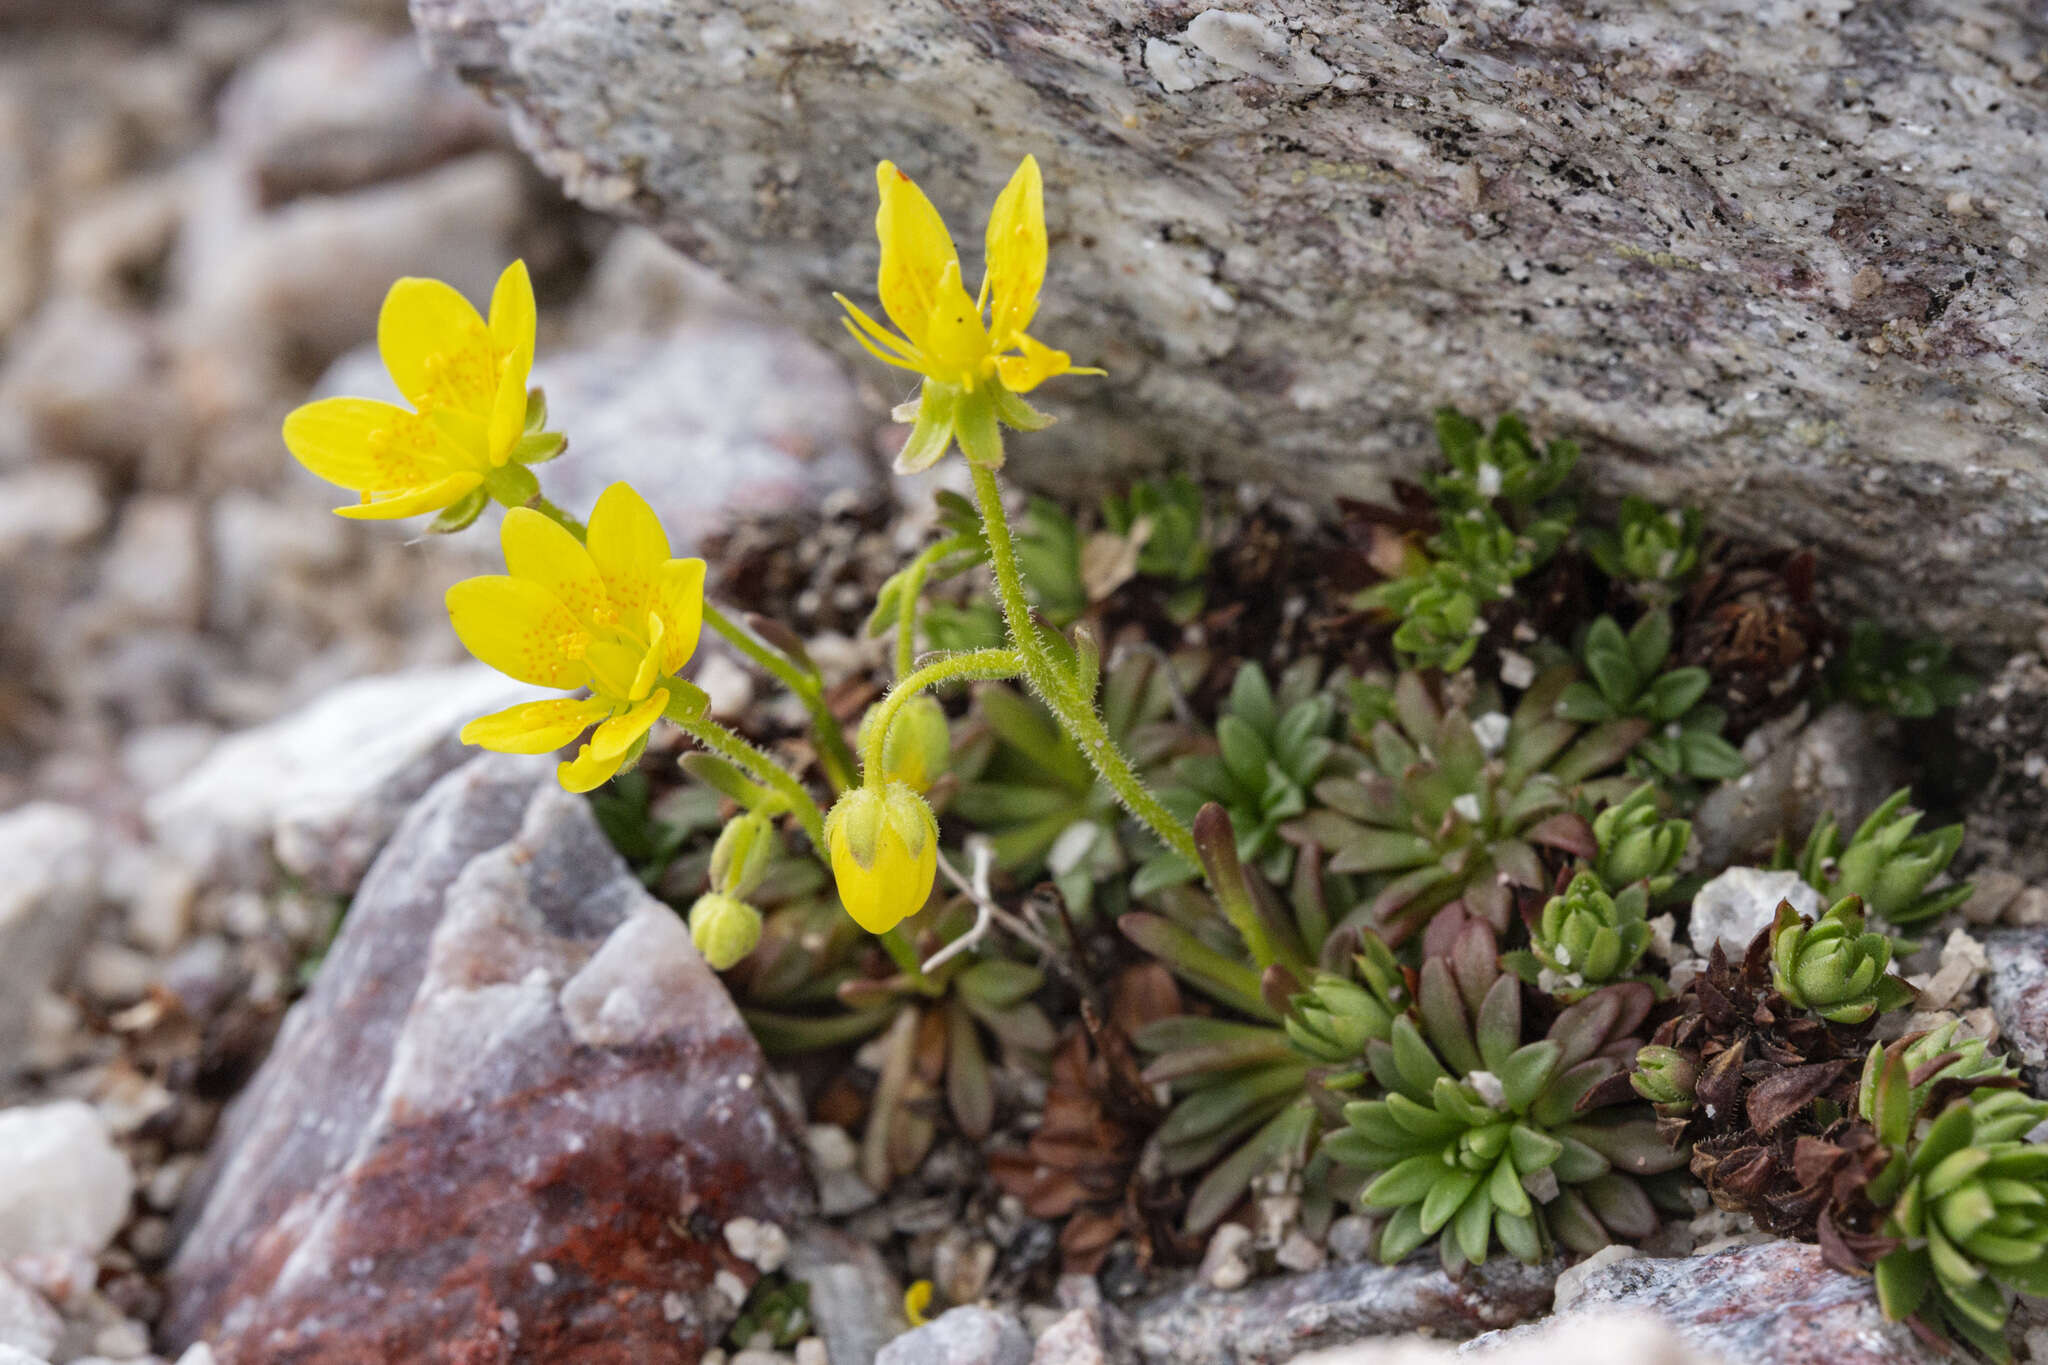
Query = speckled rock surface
x=1277 y=1319
x=2018 y=991
x=510 y=1121
x=1774 y=1301
x=1783 y=259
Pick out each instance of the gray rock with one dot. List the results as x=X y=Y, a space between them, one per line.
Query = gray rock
x=1839 y=762
x=2018 y=994
x=1779 y=260
x=248 y=296
x=10 y=1355
x=321 y=789
x=510 y=1120
x=344 y=106
x=856 y=1302
x=64 y=1186
x=2002 y=730
x=1736 y=906
x=49 y=888
x=1773 y=1301
x=961 y=1336
x=1277 y=1319
x=57 y=505
x=27 y=1322
x=1075 y=1339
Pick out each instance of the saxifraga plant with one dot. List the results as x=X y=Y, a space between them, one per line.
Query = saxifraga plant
x=1447 y=808
x=1273 y=746
x=1488 y=1135
x=1885 y=863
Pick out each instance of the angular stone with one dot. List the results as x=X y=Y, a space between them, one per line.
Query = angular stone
x=509 y=1122
x=1736 y=906
x=64 y=1186
x=961 y=1336
x=1771 y=1301
x=1277 y=1319
x=856 y=1301
x=1841 y=762
x=49 y=887
x=1764 y=265
x=1075 y=1339
x=321 y=789
x=2018 y=991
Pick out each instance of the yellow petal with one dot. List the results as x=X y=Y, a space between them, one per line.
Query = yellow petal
x=630 y=547
x=1016 y=253
x=916 y=249
x=650 y=662
x=614 y=669
x=535 y=727
x=955 y=342
x=413 y=501
x=436 y=347
x=613 y=738
x=586 y=772
x=508 y=410
x=1023 y=373
x=680 y=600
x=539 y=551
x=521 y=629
x=901 y=349
x=368 y=446
x=512 y=312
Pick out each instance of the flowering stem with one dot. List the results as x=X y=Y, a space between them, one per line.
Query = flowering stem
x=729 y=746
x=903 y=954
x=805 y=685
x=1075 y=713
x=909 y=594
x=974 y=664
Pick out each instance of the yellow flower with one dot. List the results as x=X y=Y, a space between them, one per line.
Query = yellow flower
x=469 y=430
x=916 y=1300
x=884 y=847
x=618 y=618
x=974 y=353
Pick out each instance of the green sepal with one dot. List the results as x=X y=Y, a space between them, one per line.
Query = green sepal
x=460 y=515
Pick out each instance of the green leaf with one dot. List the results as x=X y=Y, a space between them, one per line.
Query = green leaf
x=1649 y=642
x=1527 y=1070
x=1677 y=692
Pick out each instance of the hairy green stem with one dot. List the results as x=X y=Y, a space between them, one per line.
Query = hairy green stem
x=972 y=665
x=909 y=594
x=729 y=746
x=1076 y=714
x=808 y=688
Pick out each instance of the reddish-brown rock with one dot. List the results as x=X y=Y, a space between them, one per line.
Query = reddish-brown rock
x=508 y=1124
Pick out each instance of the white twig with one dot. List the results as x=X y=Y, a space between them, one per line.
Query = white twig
x=987 y=912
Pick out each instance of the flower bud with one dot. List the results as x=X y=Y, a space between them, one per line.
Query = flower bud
x=724 y=928
x=1665 y=1077
x=884 y=846
x=919 y=746
x=740 y=858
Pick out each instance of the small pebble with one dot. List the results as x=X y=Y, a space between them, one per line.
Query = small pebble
x=763 y=1245
x=1225 y=1265
x=811 y=1351
x=1350 y=1238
